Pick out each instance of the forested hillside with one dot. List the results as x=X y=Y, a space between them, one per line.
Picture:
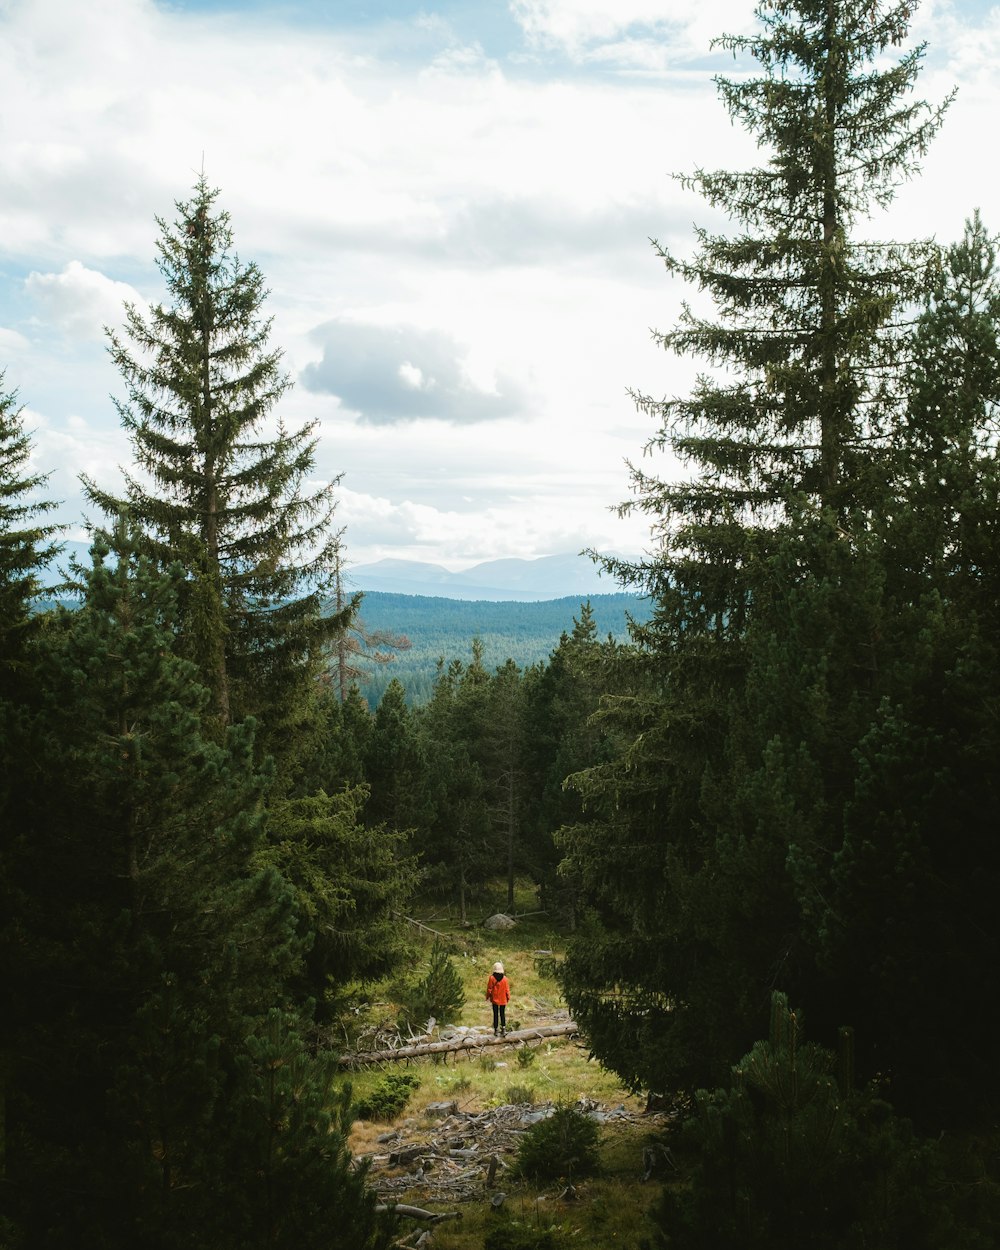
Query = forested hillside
x=443 y=629
x=762 y=814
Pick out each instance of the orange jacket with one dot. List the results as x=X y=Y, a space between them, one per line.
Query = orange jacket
x=498 y=990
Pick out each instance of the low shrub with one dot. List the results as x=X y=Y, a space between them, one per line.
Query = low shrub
x=388 y=1098
x=564 y=1145
x=440 y=994
x=517 y=1235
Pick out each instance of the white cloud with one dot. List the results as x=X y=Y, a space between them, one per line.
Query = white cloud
x=576 y=22
x=80 y=301
x=12 y=345
x=647 y=33
x=412 y=376
x=65 y=447
x=401 y=373
x=479 y=219
x=457 y=539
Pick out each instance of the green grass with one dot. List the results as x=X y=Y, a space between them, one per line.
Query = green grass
x=611 y=1207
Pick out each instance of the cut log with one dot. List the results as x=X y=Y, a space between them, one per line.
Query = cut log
x=468 y=1041
x=400 y=1158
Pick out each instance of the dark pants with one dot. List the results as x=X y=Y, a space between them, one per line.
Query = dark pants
x=499 y=1016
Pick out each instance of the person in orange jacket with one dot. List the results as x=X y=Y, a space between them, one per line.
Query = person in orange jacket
x=498 y=993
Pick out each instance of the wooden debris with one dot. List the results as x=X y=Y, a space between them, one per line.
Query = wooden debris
x=424 y=928
x=462 y=1042
x=418 y=1213
x=400 y=1158
x=656 y=1160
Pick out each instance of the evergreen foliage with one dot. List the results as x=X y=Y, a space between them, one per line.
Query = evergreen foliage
x=143 y=948
x=909 y=902
x=26 y=542
x=297 y=1185
x=791 y=1154
x=388 y=1098
x=26 y=546
x=504 y=764
x=395 y=765
x=562 y=697
x=218 y=490
x=803 y=653
x=440 y=993
x=786 y=776
x=349 y=881
x=456 y=845
x=562 y=1146
x=335 y=757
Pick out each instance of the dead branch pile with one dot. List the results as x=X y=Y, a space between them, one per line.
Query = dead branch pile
x=462 y=1154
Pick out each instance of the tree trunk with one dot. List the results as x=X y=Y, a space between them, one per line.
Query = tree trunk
x=468 y=1041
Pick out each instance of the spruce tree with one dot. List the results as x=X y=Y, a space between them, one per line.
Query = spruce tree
x=562 y=740
x=26 y=541
x=709 y=834
x=908 y=909
x=26 y=547
x=337 y=753
x=144 y=946
x=395 y=766
x=216 y=487
x=791 y=1154
x=457 y=845
x=439 y=995
x=504 y=763
x=289 y=1181
x=351 y=882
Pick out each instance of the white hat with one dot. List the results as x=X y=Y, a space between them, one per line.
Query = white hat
x=498 y=967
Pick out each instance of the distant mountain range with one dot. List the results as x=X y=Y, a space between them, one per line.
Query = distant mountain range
x=511 y=580
x=524 y=581
x=443 y=629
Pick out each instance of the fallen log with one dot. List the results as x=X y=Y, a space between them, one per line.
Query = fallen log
x=418 y=1213
x=466 y=1041
x=425 y=928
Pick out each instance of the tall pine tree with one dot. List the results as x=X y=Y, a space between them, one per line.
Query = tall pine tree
x=26 y=540
x=456 y=847
x=907 y=911
x=562 y=739
x=759 y=669
x=26 y=546
x=142 y=947
x=215 y=487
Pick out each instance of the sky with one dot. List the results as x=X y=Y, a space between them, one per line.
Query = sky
x=452 y=203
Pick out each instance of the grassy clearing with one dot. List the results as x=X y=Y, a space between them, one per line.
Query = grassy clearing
x=610 y=1208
